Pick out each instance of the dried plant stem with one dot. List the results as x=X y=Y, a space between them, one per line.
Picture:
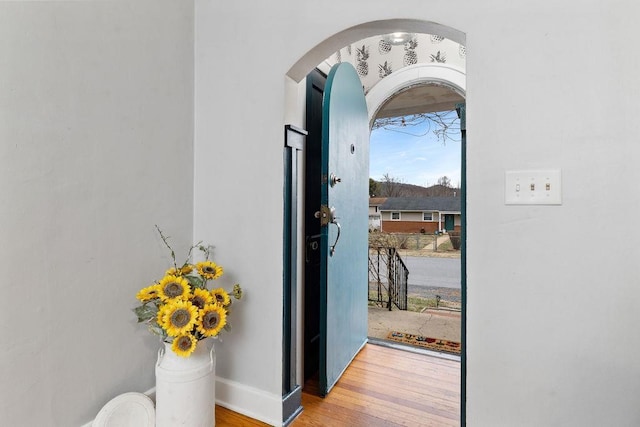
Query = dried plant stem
x=164 y=239
x=197 y=245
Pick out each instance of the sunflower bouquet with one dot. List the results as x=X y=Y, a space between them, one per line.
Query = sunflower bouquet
x=180 y=308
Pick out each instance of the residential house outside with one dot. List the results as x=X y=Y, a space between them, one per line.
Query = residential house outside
x=420 y=214
x=375 y=221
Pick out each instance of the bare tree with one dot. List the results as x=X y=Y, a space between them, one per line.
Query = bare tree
x=374 y=188
x=391 y=186
x=445 y=125
x=444 y=181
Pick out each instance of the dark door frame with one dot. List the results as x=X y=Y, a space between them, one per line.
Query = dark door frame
x=461 y=109
x=312 y=190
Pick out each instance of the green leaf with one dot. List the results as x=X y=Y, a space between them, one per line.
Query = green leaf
x=196 y=281
x=145 y=312
x=157 y=330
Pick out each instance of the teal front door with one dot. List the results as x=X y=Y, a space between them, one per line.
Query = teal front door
x=344 y=224
x=449 y=222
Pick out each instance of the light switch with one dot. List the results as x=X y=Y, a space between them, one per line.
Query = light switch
x=533 y=187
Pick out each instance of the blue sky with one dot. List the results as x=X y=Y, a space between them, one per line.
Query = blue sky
x=418 y=160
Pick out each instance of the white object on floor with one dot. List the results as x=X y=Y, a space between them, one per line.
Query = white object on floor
x=127 y=410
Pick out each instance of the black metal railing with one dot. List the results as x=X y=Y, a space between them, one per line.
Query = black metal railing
x=388 y=276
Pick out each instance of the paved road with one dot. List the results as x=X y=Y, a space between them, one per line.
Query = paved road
x=433 y=272
x=429 y=277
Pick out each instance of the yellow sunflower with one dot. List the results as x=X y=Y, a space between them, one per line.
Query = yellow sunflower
x=148 y=293
x=221 y=297
x=178 y=317
x=209 y=270
x=212 y=319
x=182 y=271
x=173 y=287
x=184 y=345
x=201 y=297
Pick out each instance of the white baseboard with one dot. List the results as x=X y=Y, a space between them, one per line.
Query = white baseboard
x=249 y=401
x=243 y=399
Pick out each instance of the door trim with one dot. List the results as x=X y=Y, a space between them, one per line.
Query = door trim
x=462 y=113
x=291 y=391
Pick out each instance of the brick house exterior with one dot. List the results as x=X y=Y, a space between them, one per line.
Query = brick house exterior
x=420 y=214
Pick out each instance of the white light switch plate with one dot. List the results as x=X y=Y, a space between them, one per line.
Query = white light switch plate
x=533 y=187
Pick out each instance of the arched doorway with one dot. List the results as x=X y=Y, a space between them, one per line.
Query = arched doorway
x=419 y=74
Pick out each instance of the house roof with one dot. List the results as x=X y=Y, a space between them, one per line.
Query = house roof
x=376 y=201
x=441 y=204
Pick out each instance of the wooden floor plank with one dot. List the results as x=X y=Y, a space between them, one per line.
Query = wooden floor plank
x=388 y=387
x=408 y=389
x=392 y=412
x=443 y=378
x=227 y=418
x=383 y=387
x=402 y=396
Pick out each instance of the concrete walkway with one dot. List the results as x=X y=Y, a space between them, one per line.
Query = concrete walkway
x=431 y=323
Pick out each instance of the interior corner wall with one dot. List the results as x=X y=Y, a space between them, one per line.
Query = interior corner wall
x=96 y=146
x=238 y=194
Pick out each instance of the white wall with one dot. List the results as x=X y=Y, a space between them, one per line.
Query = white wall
x=238 y=202
x=96 y=146
x=558 y=289
x=550 y=85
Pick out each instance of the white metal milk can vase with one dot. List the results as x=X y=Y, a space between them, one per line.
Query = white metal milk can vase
x=185 y=387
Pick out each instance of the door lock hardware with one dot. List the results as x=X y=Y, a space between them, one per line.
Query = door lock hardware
x=333 y=247
x=334 y=180
x=325 y=214
x=312 y=253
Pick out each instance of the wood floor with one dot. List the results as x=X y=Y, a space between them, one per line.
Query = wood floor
x=382 y=387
